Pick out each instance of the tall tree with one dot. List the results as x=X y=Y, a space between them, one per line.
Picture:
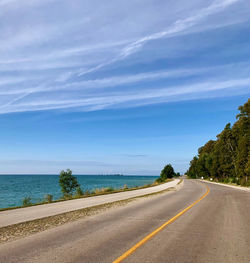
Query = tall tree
x=227 y=158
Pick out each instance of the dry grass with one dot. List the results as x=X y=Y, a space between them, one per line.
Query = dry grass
x=180 y=181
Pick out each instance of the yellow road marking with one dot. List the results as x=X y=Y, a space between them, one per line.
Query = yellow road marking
x=145 y=239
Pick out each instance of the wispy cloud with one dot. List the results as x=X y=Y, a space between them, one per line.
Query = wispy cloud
x=145 y=97
x=179 y=25
x=84 y=58
x=99 y=83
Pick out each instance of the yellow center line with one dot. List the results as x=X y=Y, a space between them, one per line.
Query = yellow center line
x=156 y=231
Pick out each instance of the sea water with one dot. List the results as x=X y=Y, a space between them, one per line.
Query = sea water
x=13 y=188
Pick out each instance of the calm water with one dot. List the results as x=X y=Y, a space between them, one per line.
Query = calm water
x=13 y=188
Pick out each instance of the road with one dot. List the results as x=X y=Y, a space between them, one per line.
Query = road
x=216 y=229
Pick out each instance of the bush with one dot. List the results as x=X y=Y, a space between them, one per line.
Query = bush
x=27 y=201
x=79 y=191
x=109 y=189
x=48 y=198
x=103 y=190
x=125 y=187
x=67 y=197
x=158 y=180
x=244 y=181
x=234 y=180
x=87 y=192
x=226 y=180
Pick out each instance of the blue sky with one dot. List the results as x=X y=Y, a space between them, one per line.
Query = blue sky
x=118 y=87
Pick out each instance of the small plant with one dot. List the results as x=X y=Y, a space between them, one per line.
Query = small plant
x=48 y=198
x=103 y=190
x=234 y=181
x=27 y=201
x=79 y=191
x=159 y=180
x=125 y=187
x=226 y=180
x=109 y=189
x=67 y=196
x=87 y=192
x=98 y=191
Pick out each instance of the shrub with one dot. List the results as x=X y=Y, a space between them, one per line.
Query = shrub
x=109 y=189
x=99 y=191
x=159 y=180
x=48 y=198
x=79 y=191
x=87 y=192
x=226 y=180
x=103 y=190
x=244 y=181
x=67 y=197
x=27 y=201
x=125 y=187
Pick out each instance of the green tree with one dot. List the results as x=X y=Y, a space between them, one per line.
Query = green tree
x=68 y=182
x=167 y=172
x=228 y=158
x=193 y=169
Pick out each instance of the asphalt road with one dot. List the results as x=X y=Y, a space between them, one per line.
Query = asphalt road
x=216 y=229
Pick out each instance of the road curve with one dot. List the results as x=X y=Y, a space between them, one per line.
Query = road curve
x=216 y=229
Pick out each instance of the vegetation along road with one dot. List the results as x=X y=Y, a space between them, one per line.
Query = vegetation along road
x=215 y=228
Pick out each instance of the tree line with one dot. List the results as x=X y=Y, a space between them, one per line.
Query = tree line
x=226 y=159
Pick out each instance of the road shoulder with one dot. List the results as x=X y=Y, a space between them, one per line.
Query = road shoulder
x=247 y=189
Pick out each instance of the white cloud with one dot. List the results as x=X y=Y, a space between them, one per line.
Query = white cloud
x=178 y=27
x=46 y=58
x=131 y=99
x=97 y=83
